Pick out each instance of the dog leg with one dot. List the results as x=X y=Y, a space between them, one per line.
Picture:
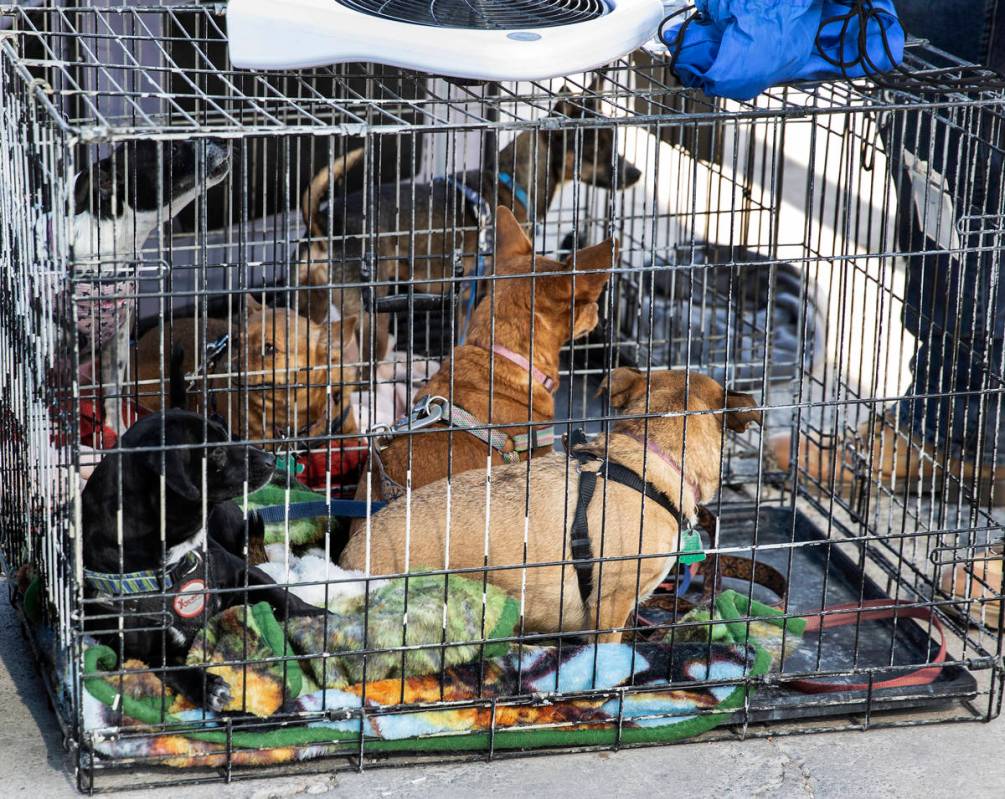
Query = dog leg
x=198 y=686
x=283 y=602
x=614 y=612
x=261 y=587
x=207 y=690
x=113 y=375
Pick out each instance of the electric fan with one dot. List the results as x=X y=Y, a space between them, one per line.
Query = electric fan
x=473 y=39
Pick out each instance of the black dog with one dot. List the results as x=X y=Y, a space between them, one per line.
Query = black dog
x=161 y=590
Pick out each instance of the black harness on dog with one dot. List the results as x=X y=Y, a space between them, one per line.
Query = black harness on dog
x=582 y=550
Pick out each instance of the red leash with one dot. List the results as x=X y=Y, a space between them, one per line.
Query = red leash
x=855 y=612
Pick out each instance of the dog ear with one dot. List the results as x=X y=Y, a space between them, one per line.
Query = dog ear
x=585 y=104
x=586 y=316
x=331 y=337
x=252 y=304
x=591 y=98
x=599 y=256
x=624 y=385
x=345 y=332
x=566 y=107
x=735 y=418
x=511 y=241
x=595 y=260
x=173 y=464
x=597 y=83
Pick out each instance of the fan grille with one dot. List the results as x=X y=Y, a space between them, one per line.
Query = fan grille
x=482 y=14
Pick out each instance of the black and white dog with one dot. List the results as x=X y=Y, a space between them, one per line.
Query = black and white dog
x=154 y=562
x=118 y=202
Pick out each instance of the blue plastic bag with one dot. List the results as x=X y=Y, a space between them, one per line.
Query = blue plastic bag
x=738 y=48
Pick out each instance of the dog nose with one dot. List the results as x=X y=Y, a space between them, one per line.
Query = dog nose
x=632 y=174
x=268 y=459
x=217 y=153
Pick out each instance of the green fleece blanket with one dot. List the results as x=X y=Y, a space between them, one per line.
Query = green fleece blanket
x=436 y=637
x=326 y=650
x=762 y=628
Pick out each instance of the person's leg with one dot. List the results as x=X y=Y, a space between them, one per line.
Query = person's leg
x=947 y=169
x=960 y=27
x=950 y=164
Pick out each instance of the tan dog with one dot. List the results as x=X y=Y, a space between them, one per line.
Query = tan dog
x=499 y=337
x=503 y=519
x=276 y=377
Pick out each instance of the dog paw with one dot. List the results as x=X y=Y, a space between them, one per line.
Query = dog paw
x=217 y=693
x=114 y=418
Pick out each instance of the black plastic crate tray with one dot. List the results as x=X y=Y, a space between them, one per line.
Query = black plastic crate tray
x=878 y=644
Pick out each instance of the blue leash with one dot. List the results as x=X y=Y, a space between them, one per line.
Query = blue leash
x=484 y=215
x=349 y=508
x=518 y=191
x=684 y=582
x=472 y=295
x=484 y=221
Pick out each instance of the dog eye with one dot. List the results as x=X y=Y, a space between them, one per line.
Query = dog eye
x=218 y=457
x=269 y=348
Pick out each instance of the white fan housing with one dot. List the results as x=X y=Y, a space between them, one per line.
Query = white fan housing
x=296 y=34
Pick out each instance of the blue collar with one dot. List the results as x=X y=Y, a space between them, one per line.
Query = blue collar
x=519 y=192
x=481 y=209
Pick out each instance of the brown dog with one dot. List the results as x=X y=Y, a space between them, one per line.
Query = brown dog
x=420 y=253
x=493 y=361
x=272 y=383
x=551 y=595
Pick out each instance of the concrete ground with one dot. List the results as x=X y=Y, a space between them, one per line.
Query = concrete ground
x=947 y=760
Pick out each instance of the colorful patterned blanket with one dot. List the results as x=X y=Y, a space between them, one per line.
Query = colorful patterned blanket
x=298 y=705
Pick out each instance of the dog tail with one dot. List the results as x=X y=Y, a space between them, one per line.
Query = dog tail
x=176 y=380
x=315 y=200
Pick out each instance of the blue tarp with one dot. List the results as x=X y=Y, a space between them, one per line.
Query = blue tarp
x=738 y=48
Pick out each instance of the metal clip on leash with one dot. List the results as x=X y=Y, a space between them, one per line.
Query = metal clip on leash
x=214 y=349
x=427 y=411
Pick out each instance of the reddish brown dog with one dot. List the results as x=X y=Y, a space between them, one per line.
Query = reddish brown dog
x=514 y=530
x=536 y=164
x=488 y=363
x=282 y=365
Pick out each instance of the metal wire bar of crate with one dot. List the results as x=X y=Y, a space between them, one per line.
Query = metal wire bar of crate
x=758 y=243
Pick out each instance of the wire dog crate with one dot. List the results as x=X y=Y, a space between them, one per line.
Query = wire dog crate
x=292 y=257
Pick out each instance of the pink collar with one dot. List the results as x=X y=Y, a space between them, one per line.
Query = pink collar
x=550 y=384
x=670 y=461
